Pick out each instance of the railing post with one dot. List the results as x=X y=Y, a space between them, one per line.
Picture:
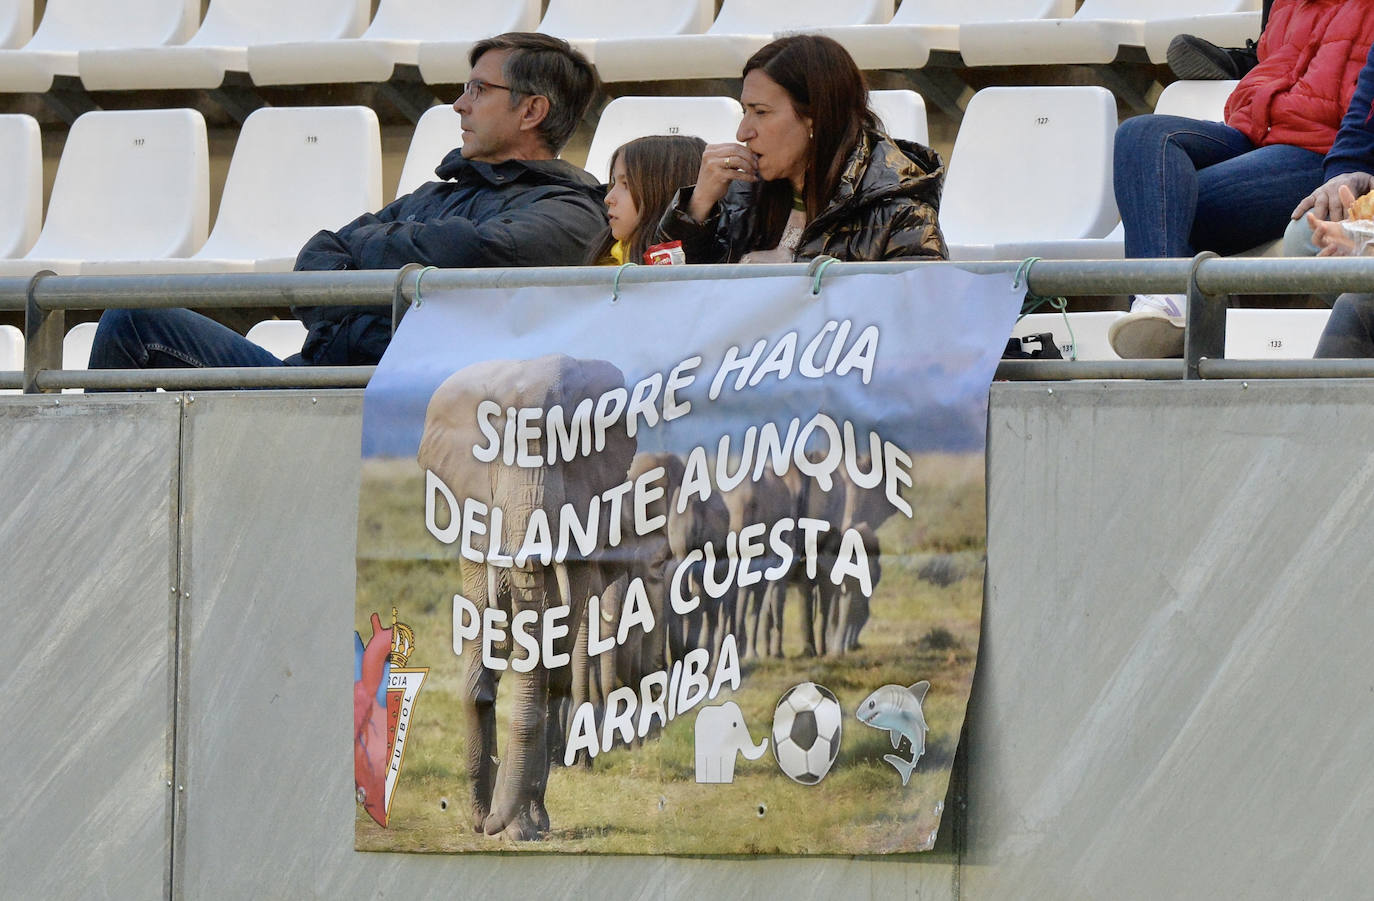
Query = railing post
x=399 y=301
x=43 y=334
x=1205 y=336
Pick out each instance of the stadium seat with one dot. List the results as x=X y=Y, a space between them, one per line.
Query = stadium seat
x=1095 y=34
x=393 y=39
x=1031 y=175
x=443 y=54
x=436 y=134
x=713 y=119
x=1082 y=336
x=1273 y=334
x=16 y=22
x=70 y=26
x=1205 y=100
x=11 y=353
x=280 y=337
x=920 y=26
x=903 y=114
x=587 y=24
x=131 y=185
x=742 y=27
x=21 y=184
x=295 y=170
x=1223 y=29
x=221 y=44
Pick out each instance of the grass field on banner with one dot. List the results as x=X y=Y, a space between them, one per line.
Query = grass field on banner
x=924 y=625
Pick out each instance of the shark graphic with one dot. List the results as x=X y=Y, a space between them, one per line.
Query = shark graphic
x=898 y=710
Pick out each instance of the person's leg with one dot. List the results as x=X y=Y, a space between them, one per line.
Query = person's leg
x=170 y=339
x=1349 y=333
x=1247 y=200
x=1155 y=173
x=1297 y=239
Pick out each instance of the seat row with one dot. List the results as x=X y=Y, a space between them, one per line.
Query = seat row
x=161 y=44
x=1029 y=175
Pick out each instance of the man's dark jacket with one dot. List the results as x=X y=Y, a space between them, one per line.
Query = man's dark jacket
x=516 y=213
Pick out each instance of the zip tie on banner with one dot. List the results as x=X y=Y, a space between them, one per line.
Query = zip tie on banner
x=1036 y=301
x=419 y=301
x=615 y=287
x=817 y=269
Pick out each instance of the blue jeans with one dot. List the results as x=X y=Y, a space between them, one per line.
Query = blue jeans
x=173 y=339
x=1185 y=185
x=1349 y=333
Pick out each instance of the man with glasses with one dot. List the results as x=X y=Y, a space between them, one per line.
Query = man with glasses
x=504 y=200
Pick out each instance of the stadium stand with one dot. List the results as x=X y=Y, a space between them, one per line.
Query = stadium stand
x=1095 y=34
x=713 y=119
x=221 y=44
x=294 y=171
x=437 y=132
x=21 y=184
x=443 y=55
x=622 y=24
x=1273 y=334
x=921 y=26
x=280 y=337
x=16 y=22
x=131 y=185
x=1079 y=336
x=393 y=39
x=11 y=352
x=70 y=26
x=1195 y=99
x=1031 y=175
x=741 y=27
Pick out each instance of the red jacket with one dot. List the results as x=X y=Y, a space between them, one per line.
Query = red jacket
x=1310 y=55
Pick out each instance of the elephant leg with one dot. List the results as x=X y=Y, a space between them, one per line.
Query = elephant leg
x=808 y=618
x=479 y=707
x=524 y=767
x=775 y=601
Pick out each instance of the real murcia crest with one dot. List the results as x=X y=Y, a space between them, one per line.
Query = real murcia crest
x=384 y=693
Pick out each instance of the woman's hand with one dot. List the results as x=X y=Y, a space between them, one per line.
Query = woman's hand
x=720 y=165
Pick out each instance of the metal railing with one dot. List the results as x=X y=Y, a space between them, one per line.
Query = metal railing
x=1208 y=280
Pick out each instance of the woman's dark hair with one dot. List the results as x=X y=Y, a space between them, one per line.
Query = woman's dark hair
x=827 y=87
x=655 y=166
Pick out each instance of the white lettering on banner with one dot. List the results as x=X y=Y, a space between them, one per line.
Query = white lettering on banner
x=753 y=367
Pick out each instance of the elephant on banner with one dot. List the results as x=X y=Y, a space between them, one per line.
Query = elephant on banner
x=720 y=734
x=758 y=614
x=817 y=591
x=849 y=612
x=508 y=797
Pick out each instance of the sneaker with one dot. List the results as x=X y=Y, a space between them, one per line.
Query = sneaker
x=1153 y=330
x=1192 y=58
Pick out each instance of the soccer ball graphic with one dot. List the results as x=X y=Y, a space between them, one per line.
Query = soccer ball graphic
x=806 y=732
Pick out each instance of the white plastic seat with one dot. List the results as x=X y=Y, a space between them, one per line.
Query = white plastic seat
x=436 y=134
x=443 y=53
x=587 y=24
x=1094 y=34
x=11 y=353
x=1273 y=334
x=76 y=350
x=393 y=39
x=713 y=119
x=221 y=44
x=295 y=170
x=279 y=337
x=1082 y=337
x=131 y=185
x=920 y=26
x=1223 y=29
x=1204 y=100
x=742 y=27
x=70 y=26
x=21 y=184
x=903 y=114
x=1031 y=175
x=16 y=22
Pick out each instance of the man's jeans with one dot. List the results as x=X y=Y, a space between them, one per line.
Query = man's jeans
x=1349 y=333
x=173 y=339
x=1185 y=185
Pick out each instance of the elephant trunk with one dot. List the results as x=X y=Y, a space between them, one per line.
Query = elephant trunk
x=752 y=751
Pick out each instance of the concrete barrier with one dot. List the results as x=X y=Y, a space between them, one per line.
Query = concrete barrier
x=1174 y=696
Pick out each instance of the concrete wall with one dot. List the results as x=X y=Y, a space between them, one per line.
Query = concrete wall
x=1174 y=697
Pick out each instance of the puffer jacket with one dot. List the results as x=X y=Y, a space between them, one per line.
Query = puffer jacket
x=515 y=213
x=885 y=208
x=1310 y=55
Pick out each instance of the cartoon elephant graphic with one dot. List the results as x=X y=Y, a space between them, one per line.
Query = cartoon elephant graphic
x=721 y=733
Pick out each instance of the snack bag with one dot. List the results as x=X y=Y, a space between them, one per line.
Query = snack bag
x=668 y=254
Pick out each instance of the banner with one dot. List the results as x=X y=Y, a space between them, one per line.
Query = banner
x=694 y=569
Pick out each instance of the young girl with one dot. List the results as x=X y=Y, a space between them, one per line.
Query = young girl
x=645 y=174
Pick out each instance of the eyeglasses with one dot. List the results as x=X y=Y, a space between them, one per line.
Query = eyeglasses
x=475 y=88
